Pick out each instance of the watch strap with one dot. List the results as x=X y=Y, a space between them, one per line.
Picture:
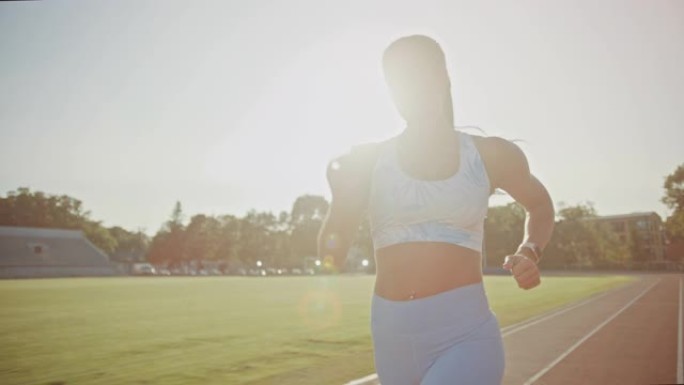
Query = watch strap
x=536 y=250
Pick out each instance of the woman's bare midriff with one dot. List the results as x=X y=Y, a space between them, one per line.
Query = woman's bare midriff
x=420 y=269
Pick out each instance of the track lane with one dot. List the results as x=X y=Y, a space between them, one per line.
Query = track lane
x=638 y=346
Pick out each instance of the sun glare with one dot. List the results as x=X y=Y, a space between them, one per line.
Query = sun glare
x=317 y=106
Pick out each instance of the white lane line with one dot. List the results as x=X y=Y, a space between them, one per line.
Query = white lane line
x=533 y=320
x=591 y=333
x=680 y=356
x=527 y=323
x=360 y=381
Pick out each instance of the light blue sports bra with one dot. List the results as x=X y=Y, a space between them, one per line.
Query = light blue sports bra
x=452 y=210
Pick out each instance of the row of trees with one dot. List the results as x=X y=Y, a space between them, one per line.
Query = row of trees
x=577 y=240
x=286 y=239
x=281 y=240
x=674 y=200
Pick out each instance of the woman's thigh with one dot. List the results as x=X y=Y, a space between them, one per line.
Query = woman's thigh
x=479 y=360
x=395 y=361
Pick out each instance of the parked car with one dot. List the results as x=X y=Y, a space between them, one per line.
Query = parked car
x=143 y=269
x=257 y=272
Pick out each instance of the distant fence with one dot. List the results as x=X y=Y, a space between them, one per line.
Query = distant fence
x=664 y=266
x=55 y=271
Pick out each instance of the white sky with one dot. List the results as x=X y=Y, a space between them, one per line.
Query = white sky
x=231 y=105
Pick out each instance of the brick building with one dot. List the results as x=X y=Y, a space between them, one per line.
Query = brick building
x=642 y=232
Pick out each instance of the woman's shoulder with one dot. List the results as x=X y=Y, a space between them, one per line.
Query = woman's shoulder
x=360 y=154
x=496 y=146
x=357 y=162
x=502 y=157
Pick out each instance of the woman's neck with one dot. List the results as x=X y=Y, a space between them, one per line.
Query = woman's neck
x=427 y=132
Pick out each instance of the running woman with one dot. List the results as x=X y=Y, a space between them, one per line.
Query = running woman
x=426 y=194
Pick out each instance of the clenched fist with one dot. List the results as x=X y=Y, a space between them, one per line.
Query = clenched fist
x=524 y=270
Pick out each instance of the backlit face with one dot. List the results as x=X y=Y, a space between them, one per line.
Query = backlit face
x=417 y=79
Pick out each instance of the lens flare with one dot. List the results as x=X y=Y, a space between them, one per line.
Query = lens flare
x=320 y=310
x=331 y=242
x=328 y=261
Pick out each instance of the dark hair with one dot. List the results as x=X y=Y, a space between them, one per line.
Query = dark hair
x=419 y=59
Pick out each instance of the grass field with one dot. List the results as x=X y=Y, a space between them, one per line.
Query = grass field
x=218 y=330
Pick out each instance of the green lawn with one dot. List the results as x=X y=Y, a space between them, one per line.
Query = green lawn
x=218 y=330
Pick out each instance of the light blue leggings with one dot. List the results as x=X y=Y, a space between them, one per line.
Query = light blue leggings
x=445 y=339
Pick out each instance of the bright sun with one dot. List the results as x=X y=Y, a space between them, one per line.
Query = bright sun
x=318 y=105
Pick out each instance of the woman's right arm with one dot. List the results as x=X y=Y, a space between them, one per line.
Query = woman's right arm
x=349 y=180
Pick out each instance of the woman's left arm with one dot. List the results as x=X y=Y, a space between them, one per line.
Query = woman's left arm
x=509 y=171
